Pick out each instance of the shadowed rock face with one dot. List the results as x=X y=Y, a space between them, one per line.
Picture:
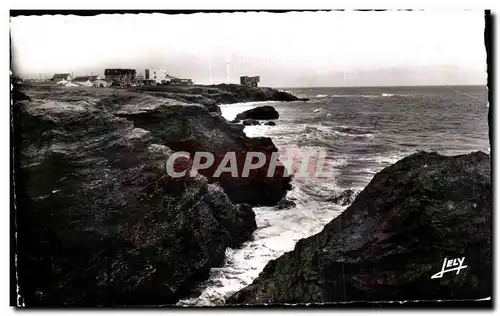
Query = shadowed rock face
x=345 y=198
x=266 y=112
x=100 y=223
x=224 y=93
x=191 y=128
x=393 y=238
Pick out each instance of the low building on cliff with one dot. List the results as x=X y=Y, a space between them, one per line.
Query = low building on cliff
x=250 y=81
x=61 y=77
x=158 y=75
x=87 y=81
x=119 y=76
x=181 y=82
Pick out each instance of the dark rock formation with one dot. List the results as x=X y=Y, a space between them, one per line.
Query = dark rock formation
x=345 y=198
x=226 y=93
x=209 y=103
x=113 y=98
x=285 y=204
x=251 y=122
x=393 y=238
x=191 y=128
x=270 y=123
x=98 y=220
x=266 y=112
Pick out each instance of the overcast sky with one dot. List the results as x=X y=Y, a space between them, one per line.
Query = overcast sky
x=296 y=49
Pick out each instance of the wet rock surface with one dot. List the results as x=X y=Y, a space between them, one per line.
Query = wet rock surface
x=344 y=198
x=266 y=112
x=285 y=204
x=190 y=128
x=251 y=122
x=226 y=93
x=393 y=238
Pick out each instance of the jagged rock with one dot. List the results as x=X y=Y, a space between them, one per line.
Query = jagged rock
x=270 y=123
x=235 y=121
x=265 y=112
x=191 y=128
x=209 y=103
x=393 y=238
x=345 y=198
x=251 y=122
x=227 y=93
x=98 y=220
x=285 y=204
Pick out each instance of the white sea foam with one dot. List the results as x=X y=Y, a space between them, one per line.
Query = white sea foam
x=356 y=95
x=322 y=112
x=368 y=135
x=278 y=231
x=362 y=95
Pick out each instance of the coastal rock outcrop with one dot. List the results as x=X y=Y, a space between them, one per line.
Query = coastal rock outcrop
x=345 y=198
x=192 y=128
x=227 y=93
x=393 y=238
x=98 y=220
x=209 y=103
x=270 y=123
x=285 y=204
x=265 y=112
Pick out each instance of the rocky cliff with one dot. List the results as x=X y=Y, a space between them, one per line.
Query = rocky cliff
x=190 y=127
x=99 y=222
x=393 y=238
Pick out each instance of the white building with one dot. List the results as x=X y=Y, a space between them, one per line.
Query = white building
x=159 y=75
